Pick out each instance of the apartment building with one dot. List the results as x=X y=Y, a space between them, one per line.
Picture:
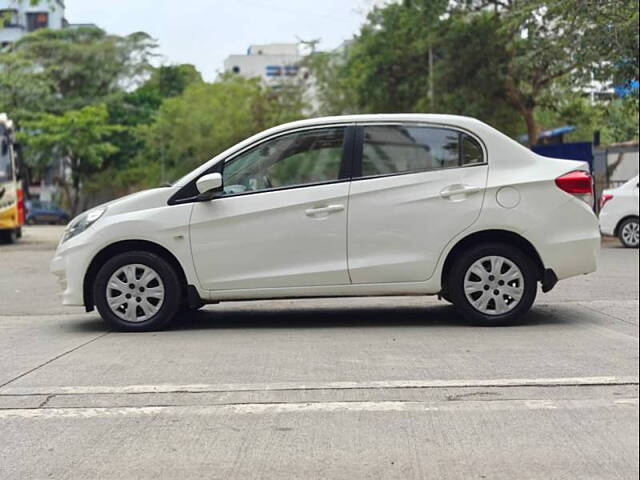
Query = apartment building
x=19 y=17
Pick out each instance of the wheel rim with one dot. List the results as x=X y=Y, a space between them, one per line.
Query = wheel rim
x=135 y=293
x=631 y=234
x=494 y=285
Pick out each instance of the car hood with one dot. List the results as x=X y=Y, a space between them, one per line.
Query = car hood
x=144 y=200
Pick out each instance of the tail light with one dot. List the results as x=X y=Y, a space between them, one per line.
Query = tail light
x=604 y=199
x=21 y=207
x=579 y=184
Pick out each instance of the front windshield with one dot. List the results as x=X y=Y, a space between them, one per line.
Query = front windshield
x=6 y=161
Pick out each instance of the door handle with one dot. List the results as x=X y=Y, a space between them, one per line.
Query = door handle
x=454 y=190
x=310 y=212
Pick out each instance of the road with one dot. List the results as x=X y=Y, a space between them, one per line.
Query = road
x=380 y=388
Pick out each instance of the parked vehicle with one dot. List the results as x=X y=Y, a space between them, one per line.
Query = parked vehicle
x=11 y=195
x=45 y=212
x=619 y=213
x=403 y=204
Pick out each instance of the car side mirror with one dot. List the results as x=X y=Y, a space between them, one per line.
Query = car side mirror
x=209 y=186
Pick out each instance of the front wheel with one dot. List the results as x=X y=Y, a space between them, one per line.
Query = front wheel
x=137 y=291
x=493 y=284
x=630 y=233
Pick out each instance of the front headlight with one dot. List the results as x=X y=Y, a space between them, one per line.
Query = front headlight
x=81 y=223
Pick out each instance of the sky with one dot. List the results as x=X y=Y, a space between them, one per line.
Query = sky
x=205 y=32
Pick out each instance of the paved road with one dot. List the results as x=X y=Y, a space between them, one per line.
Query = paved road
x=349 y=388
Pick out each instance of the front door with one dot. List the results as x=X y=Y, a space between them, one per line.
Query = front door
x=415 y=188
x=282 y=220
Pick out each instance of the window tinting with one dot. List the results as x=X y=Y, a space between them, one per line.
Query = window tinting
x=296 y=159
x=393 y=149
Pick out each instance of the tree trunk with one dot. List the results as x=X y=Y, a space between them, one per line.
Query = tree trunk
x=76 y=194
x=533 y=130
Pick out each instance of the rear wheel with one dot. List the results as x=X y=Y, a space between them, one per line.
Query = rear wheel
x=493 y=283
x=8 y=236
x=137 y=291
x=629 y=233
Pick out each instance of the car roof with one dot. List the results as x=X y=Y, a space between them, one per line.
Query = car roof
x=457 y=120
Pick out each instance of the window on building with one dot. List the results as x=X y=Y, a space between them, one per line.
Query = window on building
x=291 y=160
x=395 y=149
x=290 y=70
x=8 y=18
x=235 y=69
x=37 y=20
x=274 y=71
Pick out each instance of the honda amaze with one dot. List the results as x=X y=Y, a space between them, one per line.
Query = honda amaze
x=341 y=206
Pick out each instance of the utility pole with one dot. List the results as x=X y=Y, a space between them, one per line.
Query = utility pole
x=430 y=94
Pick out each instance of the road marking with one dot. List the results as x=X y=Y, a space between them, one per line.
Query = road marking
x=327 y=407
x=290 y=386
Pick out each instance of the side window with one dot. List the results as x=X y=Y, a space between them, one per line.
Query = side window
x=394 y=149
x=296 y=159
x=471 y=151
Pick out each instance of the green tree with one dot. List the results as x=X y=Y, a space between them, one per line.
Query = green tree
x=205 y=120
x=139 y=107
x=547 y=43
x=498 y=60
x=81 y=66
x=470 y=69
x=386 y=67
x=65 y=70
x=79 y=137
x=23 y=89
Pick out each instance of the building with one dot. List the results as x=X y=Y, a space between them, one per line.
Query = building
x=19 y=17
x=275 y=64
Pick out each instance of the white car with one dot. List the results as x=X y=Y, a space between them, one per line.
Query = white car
x=619 y=213
x=403 y=204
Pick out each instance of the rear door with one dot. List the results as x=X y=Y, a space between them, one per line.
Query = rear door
x=415 y=187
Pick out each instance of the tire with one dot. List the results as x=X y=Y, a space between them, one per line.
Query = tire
x=518 y=275
x=628 y=233
x=154 y=299
x=8 y=236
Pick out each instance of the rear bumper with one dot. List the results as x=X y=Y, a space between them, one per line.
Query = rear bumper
x=572 y=258
x=569 y=241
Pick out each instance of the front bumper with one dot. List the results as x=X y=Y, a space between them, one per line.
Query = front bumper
x=69 y=265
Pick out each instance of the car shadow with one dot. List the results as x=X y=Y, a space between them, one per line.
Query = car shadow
x=345 y=316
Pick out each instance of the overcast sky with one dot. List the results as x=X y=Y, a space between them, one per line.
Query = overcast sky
x=204 y=32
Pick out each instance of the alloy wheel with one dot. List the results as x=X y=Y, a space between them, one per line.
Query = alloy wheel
x=494 y=285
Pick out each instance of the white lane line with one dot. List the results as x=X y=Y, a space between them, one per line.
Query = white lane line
x=290 y=386
x=328 y=407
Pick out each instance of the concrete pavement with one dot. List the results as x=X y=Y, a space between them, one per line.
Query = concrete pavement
x=334 y=388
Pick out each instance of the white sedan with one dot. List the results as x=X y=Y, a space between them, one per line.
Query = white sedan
x=619 y=213
x=403 y=204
